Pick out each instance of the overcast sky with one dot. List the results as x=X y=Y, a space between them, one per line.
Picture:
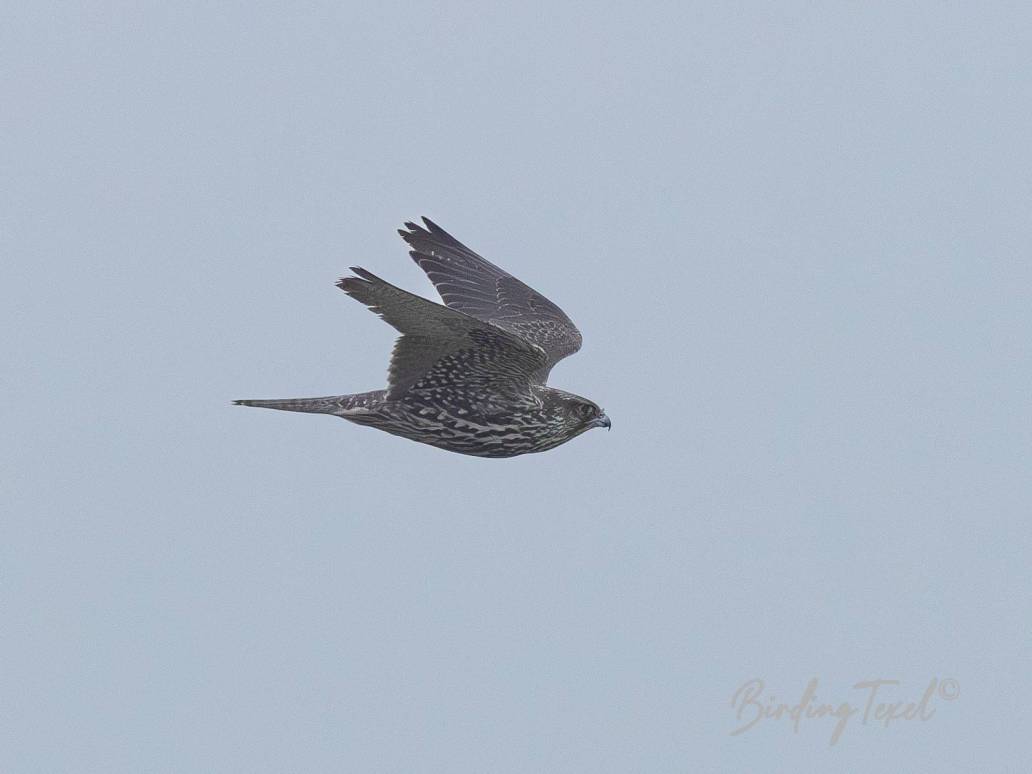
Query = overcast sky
x=796 y=238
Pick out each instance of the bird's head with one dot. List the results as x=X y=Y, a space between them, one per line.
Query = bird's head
x=576 y=414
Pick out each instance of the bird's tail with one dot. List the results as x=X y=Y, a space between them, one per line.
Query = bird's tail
x=341 y=405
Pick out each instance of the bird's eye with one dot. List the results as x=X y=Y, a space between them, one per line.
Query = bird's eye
x=587 y=411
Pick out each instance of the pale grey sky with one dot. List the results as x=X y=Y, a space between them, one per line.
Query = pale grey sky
x=796 y=238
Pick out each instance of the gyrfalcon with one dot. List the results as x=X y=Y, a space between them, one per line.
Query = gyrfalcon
x=468 y=377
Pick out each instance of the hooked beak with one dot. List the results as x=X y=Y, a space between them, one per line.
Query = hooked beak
x=602 y=421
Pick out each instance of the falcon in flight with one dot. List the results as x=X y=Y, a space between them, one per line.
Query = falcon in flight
x=469 y=376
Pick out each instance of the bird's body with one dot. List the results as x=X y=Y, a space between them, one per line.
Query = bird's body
x=467 y=426
x=467 y=377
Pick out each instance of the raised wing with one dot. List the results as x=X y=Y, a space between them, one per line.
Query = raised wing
x=446 y=348
x=472 y=284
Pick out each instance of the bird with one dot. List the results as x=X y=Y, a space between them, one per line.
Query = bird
x=468 y=376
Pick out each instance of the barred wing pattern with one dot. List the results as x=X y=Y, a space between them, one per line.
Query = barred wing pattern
x=471 y=284
x=444 y=350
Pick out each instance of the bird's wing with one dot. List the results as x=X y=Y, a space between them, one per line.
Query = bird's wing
x=472 y=352
x=474 y=285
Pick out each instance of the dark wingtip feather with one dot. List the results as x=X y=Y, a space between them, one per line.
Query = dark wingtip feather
x=366 y=275
x=415 y=231
x=349 y=284
x=442 y=236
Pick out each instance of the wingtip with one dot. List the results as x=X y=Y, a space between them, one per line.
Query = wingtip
x=362 y=276
x=347 y=284
x=435 y=230
x=429 y=233
x=414 y=232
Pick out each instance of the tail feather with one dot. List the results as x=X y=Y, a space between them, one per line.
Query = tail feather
x=340 y=405
x=327 y=405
